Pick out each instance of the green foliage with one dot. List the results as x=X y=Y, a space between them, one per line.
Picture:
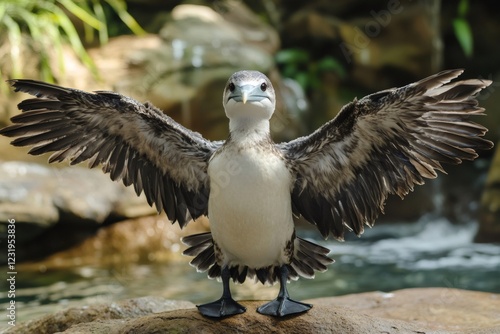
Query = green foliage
x=462 y=29
x=299 y=65
x=43 y=26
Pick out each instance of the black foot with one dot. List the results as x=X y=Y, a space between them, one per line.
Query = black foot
x=221 y=308
x=281 y=307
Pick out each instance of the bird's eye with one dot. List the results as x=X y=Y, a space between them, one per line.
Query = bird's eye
x=231 y=87
x=263 y=86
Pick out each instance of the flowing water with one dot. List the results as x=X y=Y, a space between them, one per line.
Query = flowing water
x=429 y=253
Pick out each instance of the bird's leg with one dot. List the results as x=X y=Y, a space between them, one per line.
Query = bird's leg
x=283 y=305
x=226 y=305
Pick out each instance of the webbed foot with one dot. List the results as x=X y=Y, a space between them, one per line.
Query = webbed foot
x=225 y=305
x=283 y=306
x=221 y=308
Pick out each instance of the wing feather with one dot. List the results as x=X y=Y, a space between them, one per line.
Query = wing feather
x=385 y=143
x=134 y=142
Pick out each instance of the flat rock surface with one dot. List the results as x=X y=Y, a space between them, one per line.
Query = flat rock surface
x=422 y=310
x=430 y=309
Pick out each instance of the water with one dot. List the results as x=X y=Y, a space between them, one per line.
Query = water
x=429 y=253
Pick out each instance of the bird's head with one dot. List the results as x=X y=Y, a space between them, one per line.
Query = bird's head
x=249 y=95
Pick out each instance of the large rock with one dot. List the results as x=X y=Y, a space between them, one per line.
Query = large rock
x=33 y=193
x=140 y=240
x=26 y=197
x=433 y=310
x=442 y=310
x=109 y=316
x=76 y=199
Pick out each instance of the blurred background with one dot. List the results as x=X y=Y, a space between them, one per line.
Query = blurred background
x=81 y=238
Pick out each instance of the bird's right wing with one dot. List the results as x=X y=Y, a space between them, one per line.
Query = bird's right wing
x=134 y=142
x=385 y=143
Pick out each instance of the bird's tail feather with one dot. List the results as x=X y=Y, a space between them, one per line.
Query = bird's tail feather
x=307 y=258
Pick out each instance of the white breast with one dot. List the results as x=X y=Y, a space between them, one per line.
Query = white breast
x=250 y=206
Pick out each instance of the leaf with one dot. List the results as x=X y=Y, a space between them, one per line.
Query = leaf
x=49 y=27
x=463 y=34
x=99 y=12
x=121 y=9
x=292 y=56
x=74 y=39
x=82 y=14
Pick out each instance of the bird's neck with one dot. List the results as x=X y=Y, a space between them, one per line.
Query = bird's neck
x=249 y=130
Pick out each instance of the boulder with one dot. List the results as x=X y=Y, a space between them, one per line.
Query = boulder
x=436 y=310
x=109 y=316
x=26 y=197
x=139 y=240
x=34 y=193
x=76 y=199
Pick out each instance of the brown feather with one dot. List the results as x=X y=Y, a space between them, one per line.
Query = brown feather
x=385 y=143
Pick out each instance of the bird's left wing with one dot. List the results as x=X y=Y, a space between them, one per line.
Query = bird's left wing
x=134 y=142
x=383 y=144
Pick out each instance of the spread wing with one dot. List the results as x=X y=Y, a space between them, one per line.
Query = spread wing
x=134 y=142
x=383 y=144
